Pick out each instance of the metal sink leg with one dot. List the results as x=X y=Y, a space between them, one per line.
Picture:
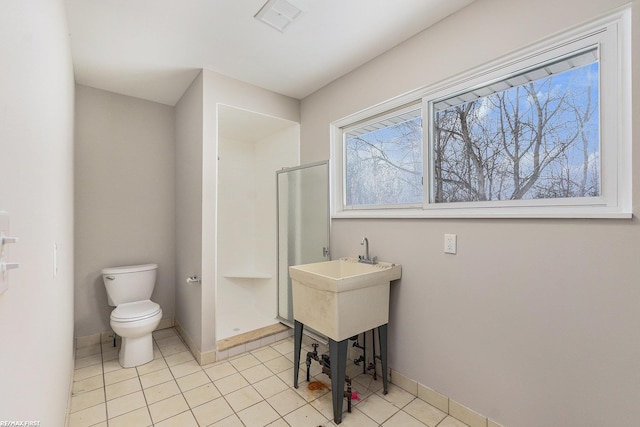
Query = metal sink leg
x=338 y=356
x=382 y=336
x=297 y=345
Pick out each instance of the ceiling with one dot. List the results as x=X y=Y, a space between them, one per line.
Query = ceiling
x=153 y=49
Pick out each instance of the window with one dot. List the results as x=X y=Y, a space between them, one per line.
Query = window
x=544 y=133
x=531 y=136
x=383 y=161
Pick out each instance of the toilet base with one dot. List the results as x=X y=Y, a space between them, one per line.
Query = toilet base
x=136 y=351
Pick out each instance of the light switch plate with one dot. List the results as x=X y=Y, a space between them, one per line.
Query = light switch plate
x=4 y=229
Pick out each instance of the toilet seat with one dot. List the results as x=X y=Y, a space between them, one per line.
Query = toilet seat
x=135 y=311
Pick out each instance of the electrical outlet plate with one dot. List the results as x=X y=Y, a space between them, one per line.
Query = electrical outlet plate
x=450 y=244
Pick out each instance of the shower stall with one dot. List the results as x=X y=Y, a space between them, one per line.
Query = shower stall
x=251 y=147
x=271 y=213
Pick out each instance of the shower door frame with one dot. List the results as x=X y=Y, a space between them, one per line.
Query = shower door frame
x=326 y=249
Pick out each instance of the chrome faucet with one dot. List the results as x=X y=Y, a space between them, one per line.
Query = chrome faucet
x=365 y=258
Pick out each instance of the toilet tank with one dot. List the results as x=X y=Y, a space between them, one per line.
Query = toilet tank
x=130 y=283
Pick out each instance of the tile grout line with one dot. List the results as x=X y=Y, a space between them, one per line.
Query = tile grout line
x=182 y=392
x=104 y=383
x=276 y=375
x=190 y=409
x=249 y=385
x=144 y=396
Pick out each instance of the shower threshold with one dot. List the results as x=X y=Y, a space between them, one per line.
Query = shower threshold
x=256 y=334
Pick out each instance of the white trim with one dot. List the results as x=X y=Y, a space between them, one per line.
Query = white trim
x=544 y=212
x=612 y=36
x=384 y=116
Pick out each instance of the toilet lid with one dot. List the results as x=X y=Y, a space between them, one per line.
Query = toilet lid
x=132 y=311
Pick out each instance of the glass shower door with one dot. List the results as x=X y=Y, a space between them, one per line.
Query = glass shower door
x=303 y=225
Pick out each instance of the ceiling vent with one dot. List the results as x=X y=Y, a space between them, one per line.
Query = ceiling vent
x=278 y=14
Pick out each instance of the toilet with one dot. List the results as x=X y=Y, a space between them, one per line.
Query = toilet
x=135 y=316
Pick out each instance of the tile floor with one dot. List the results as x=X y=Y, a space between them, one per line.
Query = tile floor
x=252 y=389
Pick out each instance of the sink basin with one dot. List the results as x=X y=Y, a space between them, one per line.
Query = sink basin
x=344 y=297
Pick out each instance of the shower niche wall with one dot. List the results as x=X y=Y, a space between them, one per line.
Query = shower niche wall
x=251 y=148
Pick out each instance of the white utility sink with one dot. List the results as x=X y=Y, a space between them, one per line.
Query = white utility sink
x=344 y=297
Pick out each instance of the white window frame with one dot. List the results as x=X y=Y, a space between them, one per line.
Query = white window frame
x=611 y=35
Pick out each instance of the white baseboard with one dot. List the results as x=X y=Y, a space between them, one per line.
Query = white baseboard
x=440 y=401
x=203 y=358
x=106 y=336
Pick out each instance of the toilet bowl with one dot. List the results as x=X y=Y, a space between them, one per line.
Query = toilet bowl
x=135 y=316
x=134 y=322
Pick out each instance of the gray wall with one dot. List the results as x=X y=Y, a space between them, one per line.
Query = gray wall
x=36 y=188
x=124 y=198
x=197 y=151
x=189 y=210
x=533 y=322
